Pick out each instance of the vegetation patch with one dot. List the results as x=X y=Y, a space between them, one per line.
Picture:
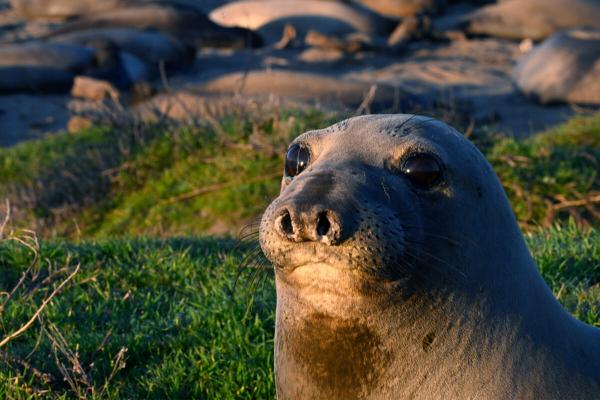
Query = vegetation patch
x=174 y=318
x=133 y=319
x=177 y=317
x=552 y=176
x=164 y=180
x=157 y=180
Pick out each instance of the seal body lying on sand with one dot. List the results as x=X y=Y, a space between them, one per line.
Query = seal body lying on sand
x=401 y=273
x=564 y=68
x=269 y=17
x=33 y=9
x=403 y=8
x=151 y=47
x=311 y=87
x=38 y=66
x=534 y=19
x=184 y=22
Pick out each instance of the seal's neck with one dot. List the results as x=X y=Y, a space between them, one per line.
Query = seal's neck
x=335 y=339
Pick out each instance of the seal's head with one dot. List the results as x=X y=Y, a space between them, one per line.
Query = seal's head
x=399 y=266
x=386 y=197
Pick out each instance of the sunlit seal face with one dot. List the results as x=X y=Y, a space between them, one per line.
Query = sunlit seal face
x=368 y=234
x=368 y=226
x=376 y=196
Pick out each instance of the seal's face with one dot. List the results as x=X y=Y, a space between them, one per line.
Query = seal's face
x=365 y=195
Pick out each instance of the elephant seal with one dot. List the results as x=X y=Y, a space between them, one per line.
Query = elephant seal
x=149 y=46
x=288 y=89
x=403 y=8
x=38 y=54
x=310 y=87
x=401 y=273
x=269 y=17
x=532 y=19
x=35 y=9
x=564 y=68
x=42 y=67
x=179 y=20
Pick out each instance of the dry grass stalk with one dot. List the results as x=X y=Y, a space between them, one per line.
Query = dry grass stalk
x=5 y=220
x=37 y=313
x=574 y=208
x=67 y=360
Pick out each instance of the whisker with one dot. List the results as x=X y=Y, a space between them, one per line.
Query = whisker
x=419 y=260
x=253 y=258
x=259 y=262
x=444 y=262
x=251 y=254
x=420 y=123
x=251 y=226
x=412 y=269
x=406 y=122
x=460 y=236
x=248 y=236
x=447 y=238
x=246 y=240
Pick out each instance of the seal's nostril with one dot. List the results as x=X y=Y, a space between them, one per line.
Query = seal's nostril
x=323 y=224
x=286 y=223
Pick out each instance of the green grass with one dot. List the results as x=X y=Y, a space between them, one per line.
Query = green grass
x=541 y=173
x=138 y=179
x=189 y=330
x=191 y=180
x=569 y=260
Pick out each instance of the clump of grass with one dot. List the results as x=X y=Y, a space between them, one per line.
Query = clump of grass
x=164 y=180
x=188 y=329
x=142 y=178
x=139 y=319
x=553 y=176
x=195 y=181
x=49 y=180
x=569 y=260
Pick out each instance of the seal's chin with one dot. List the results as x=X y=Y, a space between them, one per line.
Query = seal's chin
x=321 y=285
x=310 y=256
x=320 y=270
x=316 y=271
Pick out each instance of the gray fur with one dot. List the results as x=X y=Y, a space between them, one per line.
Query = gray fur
x=413 y=293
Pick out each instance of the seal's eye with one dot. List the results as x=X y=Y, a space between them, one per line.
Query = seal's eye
x=296 y=159
x=422 y=169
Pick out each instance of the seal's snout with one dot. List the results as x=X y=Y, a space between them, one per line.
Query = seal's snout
x=297 y=225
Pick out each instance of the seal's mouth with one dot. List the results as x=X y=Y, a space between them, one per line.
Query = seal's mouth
x=315 y=267
x=315 y=279
x=309 y=255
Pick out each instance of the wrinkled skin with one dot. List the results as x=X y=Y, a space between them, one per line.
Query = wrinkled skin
x=388 y=290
